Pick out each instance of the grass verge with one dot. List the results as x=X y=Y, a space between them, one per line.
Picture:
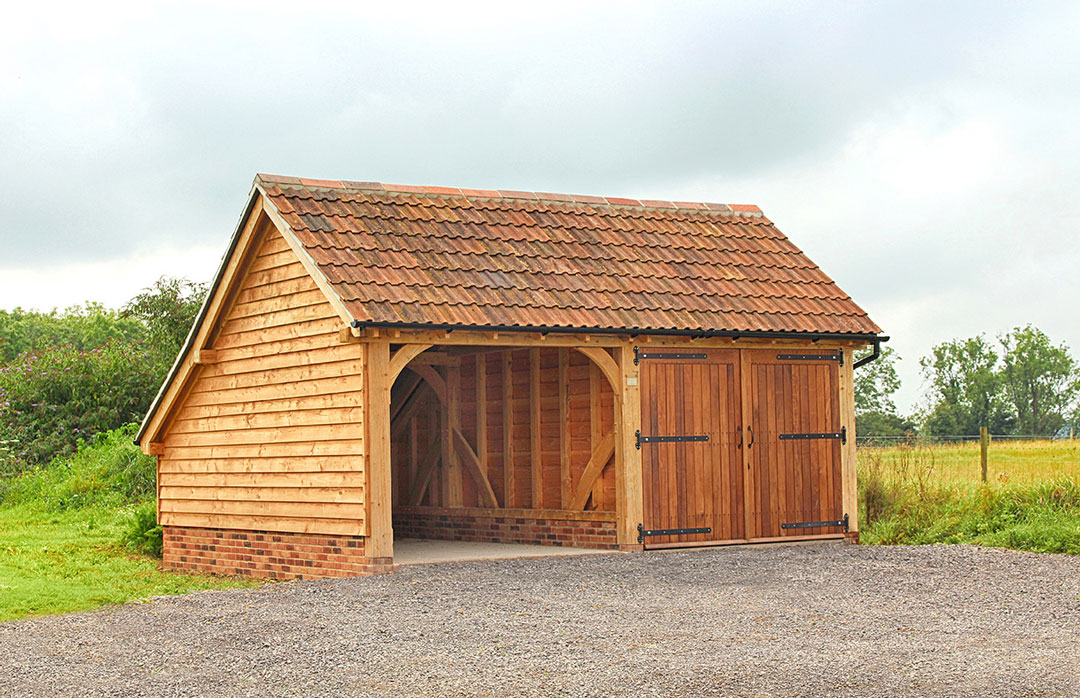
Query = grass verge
x=923 y=495
x=55 y=562
x=71 y=532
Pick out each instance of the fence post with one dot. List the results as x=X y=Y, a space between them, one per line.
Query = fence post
x=984 y=448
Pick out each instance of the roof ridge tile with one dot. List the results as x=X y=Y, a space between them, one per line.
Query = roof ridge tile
x=512 y=194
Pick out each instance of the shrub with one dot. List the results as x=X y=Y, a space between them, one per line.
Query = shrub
x=142 y=532
x=51 y=399
x=108 y=470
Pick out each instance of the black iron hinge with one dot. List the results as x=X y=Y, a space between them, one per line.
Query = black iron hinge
x=812 y=357
x=639 y=355
x=642 y=532
x=819 y=524
x=842 y=435
x=658 y=439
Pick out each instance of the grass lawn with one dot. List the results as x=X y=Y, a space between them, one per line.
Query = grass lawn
x=68 y=561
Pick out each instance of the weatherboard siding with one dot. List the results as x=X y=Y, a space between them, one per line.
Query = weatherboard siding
x=270 y=436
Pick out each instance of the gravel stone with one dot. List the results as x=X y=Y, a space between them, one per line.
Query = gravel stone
x=823 y=620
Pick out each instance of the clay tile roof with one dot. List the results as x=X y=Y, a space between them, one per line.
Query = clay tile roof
x=486 y=258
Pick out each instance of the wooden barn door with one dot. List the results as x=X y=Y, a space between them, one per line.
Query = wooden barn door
x=794 y=437
x=690 y=440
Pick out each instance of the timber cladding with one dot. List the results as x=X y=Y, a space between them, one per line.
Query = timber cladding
x=270 y=436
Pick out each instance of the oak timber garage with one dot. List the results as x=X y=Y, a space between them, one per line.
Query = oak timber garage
x=377 y=361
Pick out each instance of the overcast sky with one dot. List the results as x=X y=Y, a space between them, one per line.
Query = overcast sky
x=925 y=155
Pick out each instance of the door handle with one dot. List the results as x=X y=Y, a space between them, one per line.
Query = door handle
x=739 y=430
x=751 y=430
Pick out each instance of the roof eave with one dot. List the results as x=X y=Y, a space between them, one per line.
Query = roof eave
x=626 y=331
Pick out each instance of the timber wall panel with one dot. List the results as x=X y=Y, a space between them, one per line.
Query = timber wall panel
x=271 y=436
x=583 y=434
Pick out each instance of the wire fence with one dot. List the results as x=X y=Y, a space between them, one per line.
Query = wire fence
x=942 y=439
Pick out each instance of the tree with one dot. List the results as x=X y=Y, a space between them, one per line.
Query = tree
x=82 y=327
x=966 y=391
x=167 y=310
x=875 y=385
x=1040 y=380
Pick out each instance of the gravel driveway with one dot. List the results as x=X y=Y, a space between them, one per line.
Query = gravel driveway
x=768 y=621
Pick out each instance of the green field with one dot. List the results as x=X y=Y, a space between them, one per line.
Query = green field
x=1016 y=462
x=917 y=494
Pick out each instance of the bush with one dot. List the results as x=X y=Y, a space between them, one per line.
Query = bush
x=142 y=532
x=108 y=470
x=51 y=399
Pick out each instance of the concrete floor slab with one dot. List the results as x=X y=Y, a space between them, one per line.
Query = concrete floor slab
x=411 y=551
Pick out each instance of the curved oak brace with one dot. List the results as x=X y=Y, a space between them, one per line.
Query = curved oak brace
x=600 y=457
x=472 y=464
x=432 y=377
x=606 y=364
x=403 y=356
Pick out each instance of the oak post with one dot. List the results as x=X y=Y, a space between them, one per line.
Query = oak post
x=629 y=506
x=509 y=481
x=536 y=467
x=849 y=491
x=380 y=540
x=565 y=483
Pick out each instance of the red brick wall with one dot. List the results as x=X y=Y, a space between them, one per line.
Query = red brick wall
x=271 y=554
x=498 y=529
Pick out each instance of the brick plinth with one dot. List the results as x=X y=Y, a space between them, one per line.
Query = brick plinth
x=271 y=554
x=505 y=529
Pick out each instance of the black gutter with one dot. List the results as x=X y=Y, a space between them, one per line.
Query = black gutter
x=877 y=352
x=632 y=332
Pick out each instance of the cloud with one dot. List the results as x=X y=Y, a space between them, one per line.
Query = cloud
x=925 y=155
